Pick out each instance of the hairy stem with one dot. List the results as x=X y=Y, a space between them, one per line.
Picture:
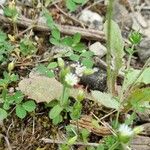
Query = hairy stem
x=108 y=58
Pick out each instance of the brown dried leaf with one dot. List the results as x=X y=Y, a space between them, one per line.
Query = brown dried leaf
x=41 y=88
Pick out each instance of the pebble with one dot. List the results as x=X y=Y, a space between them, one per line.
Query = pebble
x=98 y=49
x=144 y=49
x=140 y=19
x=2 y=2
x=1 y=12
x=95 y=81
x=92 y=19
x=122 y=16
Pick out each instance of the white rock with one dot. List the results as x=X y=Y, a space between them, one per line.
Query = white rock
x=94 y=20
x=98 y=49
x=144 y=49
x=141 y=20
x=42 y=20
x=2 y=2
x=1 y=12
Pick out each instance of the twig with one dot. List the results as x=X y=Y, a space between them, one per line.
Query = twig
x=46 y=140
x=21 y=33
x=93 y=4
x=68 y=30
x=104 y=124
x=70 y=17
x=7 y=141
x=104 y=65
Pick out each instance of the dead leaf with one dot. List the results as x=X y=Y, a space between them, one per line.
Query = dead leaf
x=41 y=88
x=86 y=122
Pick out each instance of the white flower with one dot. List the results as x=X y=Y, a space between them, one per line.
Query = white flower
x=125 y=133
x=71 y=79
x=80 y=70
x=125 y=130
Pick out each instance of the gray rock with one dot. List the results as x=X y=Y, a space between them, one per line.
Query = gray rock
x=92 y=19
x=96 y=81
x=2 y=2
x=1 y=12
x=98 y=49
x=122 y=16
x=144 y=49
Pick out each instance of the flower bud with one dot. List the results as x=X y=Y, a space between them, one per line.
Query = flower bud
x=61 y=62
x=138 y=129
x=11 y=66
x=80 y=96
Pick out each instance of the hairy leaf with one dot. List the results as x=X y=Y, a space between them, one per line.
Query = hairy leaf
x=105 y=99
x=117 y=43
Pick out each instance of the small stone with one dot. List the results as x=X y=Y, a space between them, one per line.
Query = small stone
x=140 y=19
x=98 y=49
x=122 y=16
x=1 y=12
x=2 y=2
x=144 y=49
x=95 y=81
x=11 y=90
x=92 y=19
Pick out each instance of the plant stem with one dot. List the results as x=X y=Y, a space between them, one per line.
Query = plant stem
x=63 y=95
x=114 y=146
x=108 y=58
x=129 y=60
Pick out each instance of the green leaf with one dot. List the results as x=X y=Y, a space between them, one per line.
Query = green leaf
x=18 y=97
x=27 y=47
x=76 y=111
x=135 y=37
x=76 y=38
x=3 y=114
x=49 y=19
x=71 y=5
x=45 y=71
x=56 y=34
x=139 y=95
x=146 y=76
x=67 y=41
x=116 y=42
x=74 y=57
x=79 y=47
x=52 y=65
x=29 y=106
x=20 y=111
x=3 y=36
x=85 y=133
x=72 y=140
x=105 y=99
x=87 y=62
x=55 y=111
x=133 y=74
x=54 y=41
x=79 y=1
x=57 y=119
x=87 y=54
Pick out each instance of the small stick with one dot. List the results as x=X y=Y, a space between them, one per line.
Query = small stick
x=46 y=140
x=65 y=29
x=70 y=17
x=7 y=141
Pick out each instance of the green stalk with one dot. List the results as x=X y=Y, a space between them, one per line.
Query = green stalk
x=108 y=57
x=65 y=96
x=114 y=146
